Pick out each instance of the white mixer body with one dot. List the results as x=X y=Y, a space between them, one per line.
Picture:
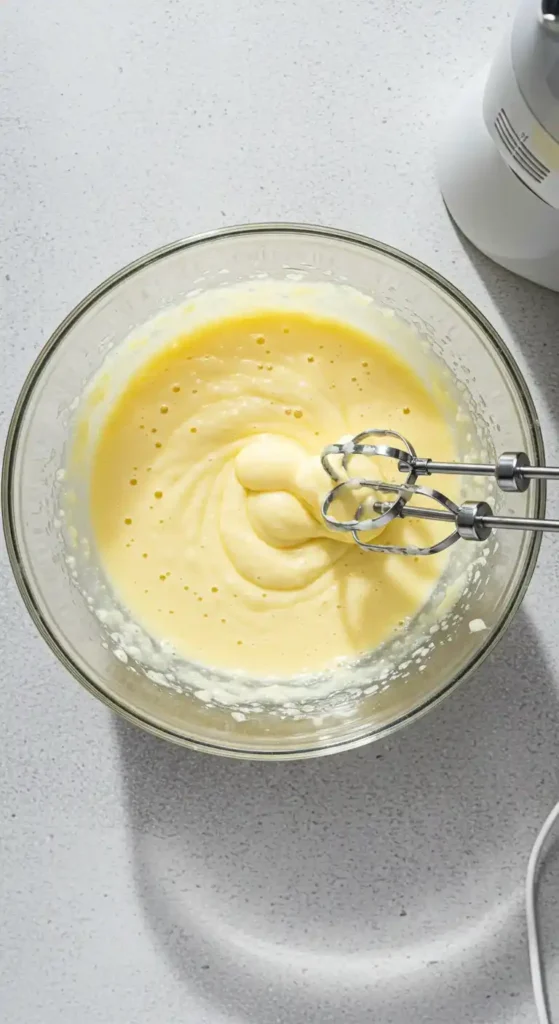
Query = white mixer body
x=498 y=162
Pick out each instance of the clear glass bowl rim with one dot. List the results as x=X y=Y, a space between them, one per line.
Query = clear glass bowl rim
x=34 y=375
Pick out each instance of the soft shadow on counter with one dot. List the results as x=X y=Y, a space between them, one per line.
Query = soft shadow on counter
x=382 y=885
x=531 y=314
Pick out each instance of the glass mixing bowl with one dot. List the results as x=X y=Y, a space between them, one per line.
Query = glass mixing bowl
x=442 y=320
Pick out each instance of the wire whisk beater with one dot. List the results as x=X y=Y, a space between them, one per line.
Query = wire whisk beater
x=471 y=520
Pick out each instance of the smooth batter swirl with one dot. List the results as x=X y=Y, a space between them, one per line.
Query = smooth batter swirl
x=207 y=485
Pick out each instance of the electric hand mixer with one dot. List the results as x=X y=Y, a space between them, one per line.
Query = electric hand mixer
x=498 y=160
x=499 y=176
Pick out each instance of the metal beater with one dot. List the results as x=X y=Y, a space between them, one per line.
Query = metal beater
x=473 y=520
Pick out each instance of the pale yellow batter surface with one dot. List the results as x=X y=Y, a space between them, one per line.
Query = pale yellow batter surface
x=206 y=488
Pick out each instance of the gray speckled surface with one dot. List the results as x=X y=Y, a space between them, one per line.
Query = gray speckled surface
x=144 y=883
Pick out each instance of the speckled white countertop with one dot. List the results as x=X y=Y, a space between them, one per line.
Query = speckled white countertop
x=143 y=884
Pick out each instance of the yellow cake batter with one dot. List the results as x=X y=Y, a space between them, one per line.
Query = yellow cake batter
x=206 y=491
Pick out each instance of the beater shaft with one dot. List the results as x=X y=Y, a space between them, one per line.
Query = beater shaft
x=428 y=467
x=487 y=521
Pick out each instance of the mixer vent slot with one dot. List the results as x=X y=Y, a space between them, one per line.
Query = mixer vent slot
x=515 y=144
